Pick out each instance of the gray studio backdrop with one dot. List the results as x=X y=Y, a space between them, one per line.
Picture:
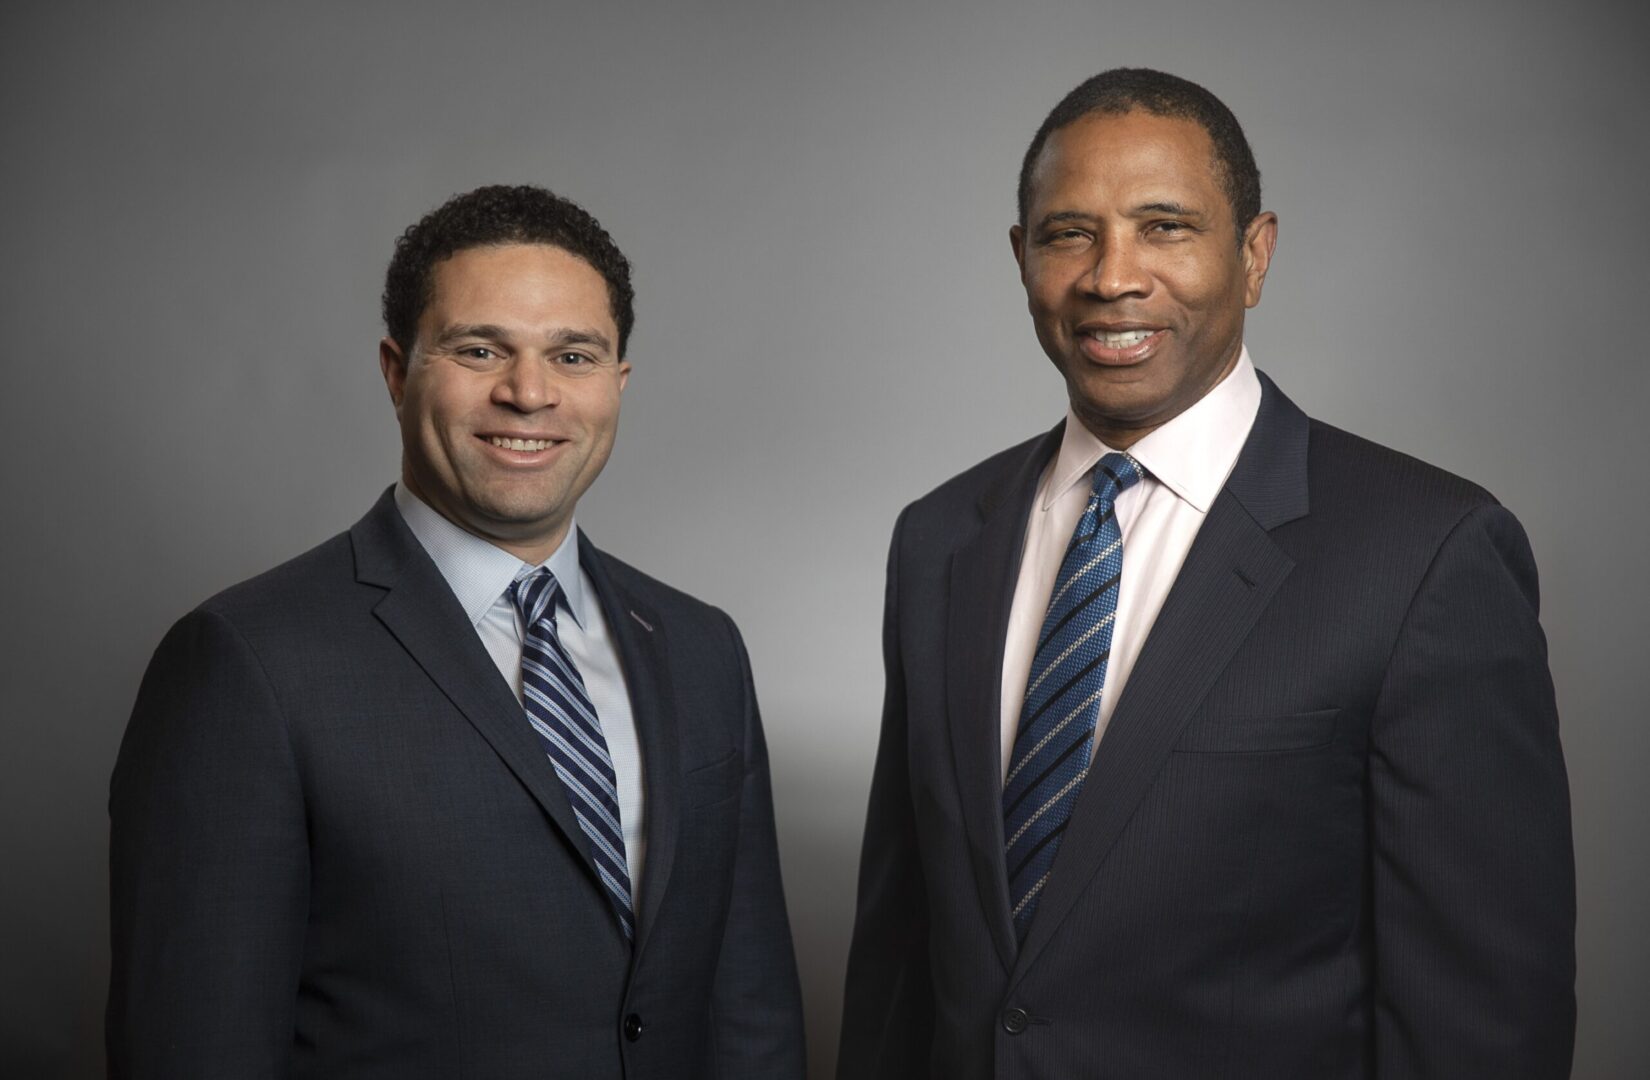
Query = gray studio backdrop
x=200 y=199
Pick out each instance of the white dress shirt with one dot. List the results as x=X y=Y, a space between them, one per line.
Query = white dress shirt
x=480 y=575
x=1187 y=461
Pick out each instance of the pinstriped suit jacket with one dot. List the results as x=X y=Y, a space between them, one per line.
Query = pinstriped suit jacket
x=1325 y=836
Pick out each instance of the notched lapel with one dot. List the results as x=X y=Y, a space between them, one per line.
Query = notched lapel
x=423 y=615
x=640 y=637
x=1229 y=577
x=983 y=576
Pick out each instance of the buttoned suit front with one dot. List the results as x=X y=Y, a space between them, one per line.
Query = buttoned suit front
x=1325 y=834
x=338 y=848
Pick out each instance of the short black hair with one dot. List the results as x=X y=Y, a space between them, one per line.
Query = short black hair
x=499 y=214
x=1123 y=90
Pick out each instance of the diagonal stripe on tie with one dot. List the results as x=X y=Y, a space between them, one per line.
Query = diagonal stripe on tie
x=561 y=714
x=1064 y=689
x=589 y=738
x=1078 y=607
x=1029 y=717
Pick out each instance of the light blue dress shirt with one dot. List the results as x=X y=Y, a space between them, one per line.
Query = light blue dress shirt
x=480 y=576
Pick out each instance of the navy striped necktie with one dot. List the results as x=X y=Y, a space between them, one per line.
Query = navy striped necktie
x=559 y=708
x=1051 y=751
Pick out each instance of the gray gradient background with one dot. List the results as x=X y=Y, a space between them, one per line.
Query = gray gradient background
x=200 y=202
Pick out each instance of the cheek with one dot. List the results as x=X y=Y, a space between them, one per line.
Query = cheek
x=1046 y=291
x=1211 y=287
x=1047 y=307
x=599 y=405
x=445 y=402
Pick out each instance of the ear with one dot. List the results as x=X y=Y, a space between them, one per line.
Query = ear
x=624 y=374
x=1259 y=239
x=1017 y=241
x=393 y=363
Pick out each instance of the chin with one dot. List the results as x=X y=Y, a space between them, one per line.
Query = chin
x=1127 y=401
x=521 y=521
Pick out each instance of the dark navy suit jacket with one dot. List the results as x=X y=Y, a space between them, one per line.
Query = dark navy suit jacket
x=338 y=850
x=1326 y=834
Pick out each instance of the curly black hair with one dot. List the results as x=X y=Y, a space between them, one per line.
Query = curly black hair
x=499 y=214
x=1122 y=90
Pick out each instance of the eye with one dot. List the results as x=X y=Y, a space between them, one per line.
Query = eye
x=575 y=363
x=1065 y=238
x=1170 y=228
x=478 y=352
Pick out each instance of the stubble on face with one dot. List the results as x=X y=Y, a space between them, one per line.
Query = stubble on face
x=1135 y=287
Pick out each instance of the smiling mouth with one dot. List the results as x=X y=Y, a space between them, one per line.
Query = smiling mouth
x=526 y=445
x=1120 y=348
x=1123 y=339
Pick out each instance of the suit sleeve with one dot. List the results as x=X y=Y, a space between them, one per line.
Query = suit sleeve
x=1473 y=875
x=888 y=1003
x=208 y=867
x=756 y=999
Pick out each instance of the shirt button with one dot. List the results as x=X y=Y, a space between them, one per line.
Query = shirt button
x=1014 y=1021
x=633 y=1027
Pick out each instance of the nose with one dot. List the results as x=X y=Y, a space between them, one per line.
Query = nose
x=1119 y=269
x=527 y=384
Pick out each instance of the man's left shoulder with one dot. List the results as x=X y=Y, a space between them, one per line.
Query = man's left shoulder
x=658 y=599
x=1356 y=477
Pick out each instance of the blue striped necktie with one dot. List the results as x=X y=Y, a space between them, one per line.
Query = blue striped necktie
x=1068 y=673
x=559 y=708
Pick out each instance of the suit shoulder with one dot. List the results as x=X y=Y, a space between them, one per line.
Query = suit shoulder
x=284 y=624
x=962 y=493
x=668 y=599
x=707 y=640
x=1347 y=468
x=317 y=582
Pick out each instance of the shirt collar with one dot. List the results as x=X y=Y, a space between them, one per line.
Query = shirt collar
x=478 y=571
x=1191 y=455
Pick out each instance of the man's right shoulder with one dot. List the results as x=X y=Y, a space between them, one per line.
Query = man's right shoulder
x=302 y=595
x=976 y=490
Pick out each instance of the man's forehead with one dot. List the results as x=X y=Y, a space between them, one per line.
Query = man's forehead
x=524 y=293
x=1136 y=132
x=517 y=272
x=1138 y=147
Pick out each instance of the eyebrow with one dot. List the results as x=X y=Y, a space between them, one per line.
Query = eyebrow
x=1165 y=207
x=1059 y=216
x=1162 y=206
x=490 y=332
x=594 y=338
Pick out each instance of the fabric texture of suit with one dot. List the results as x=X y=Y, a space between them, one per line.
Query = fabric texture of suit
x=338 y=848
x=1326 y=834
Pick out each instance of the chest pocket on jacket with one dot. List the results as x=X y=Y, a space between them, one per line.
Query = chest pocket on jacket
x=1259 y=735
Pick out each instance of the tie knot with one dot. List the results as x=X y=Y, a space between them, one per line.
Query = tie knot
x=535 y=596
x=1115 y=473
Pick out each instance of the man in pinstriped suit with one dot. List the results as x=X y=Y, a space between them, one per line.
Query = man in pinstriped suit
x=1217 y=742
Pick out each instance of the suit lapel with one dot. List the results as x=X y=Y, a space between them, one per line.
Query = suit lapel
x=639 y=636
x=420 y=610
x=1228 y=578
x=983 y=576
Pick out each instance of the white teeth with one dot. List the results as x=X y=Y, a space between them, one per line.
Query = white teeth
x=519 y=444
x=1123 y=340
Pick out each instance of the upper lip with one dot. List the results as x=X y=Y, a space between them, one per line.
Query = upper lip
x=520 y=435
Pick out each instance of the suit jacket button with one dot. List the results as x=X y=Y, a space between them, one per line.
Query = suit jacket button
x=633 y=1027
x=1014 y=1021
